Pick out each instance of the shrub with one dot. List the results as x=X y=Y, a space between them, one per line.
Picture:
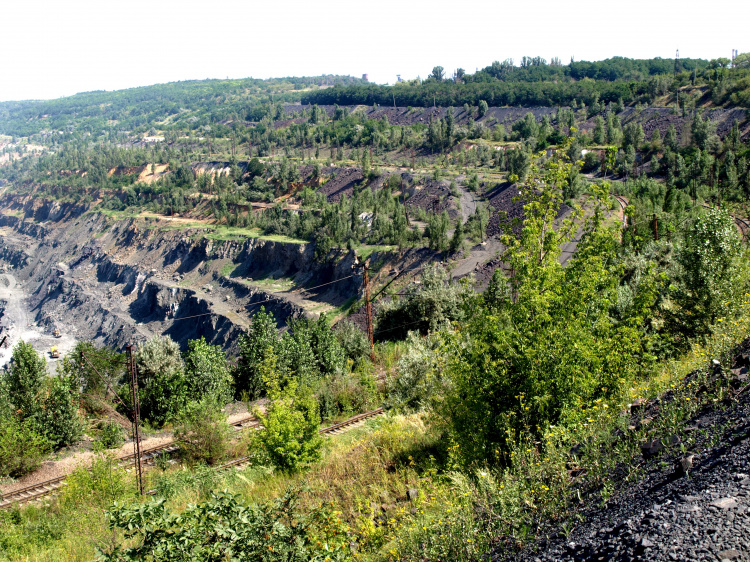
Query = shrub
x=353 y=341
x=419 y=377
x=425 y=307
x=111 y=435
x=99 y=485
x=22 y=448
x=291 y=439
x=346 y=395
x=202 y=433
x=224 y=528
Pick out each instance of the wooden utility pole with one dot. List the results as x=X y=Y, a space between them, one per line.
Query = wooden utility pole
x=136 y=409
x=656 y=228
x=368 y=312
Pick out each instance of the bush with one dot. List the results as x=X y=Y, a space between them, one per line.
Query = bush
x=419 y=378
x=425 y=307
x=21 y=448
x=353 y=341
x=291 y=439
x=111 y=435
x=346 y=395
x=224 y=528
x=99 y=485
x=202 y=433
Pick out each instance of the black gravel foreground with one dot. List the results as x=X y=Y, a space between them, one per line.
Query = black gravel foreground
x=704 y=515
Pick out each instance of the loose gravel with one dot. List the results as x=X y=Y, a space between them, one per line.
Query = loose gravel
x=670 y=515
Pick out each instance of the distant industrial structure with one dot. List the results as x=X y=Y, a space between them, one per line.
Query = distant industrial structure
x=366 y=77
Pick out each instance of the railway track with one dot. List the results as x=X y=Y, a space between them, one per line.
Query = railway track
x=743 y=226
x=623 y=203
x=149 y=456
x=334 y=429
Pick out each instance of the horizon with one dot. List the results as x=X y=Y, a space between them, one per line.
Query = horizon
x=60 y=50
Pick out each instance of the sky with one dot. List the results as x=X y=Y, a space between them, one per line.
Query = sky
x=54 y=48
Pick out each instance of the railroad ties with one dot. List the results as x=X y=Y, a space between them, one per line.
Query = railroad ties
x=32 y=492
x=149 y=456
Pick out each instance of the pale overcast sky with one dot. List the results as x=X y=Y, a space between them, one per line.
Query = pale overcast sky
x=53 y=48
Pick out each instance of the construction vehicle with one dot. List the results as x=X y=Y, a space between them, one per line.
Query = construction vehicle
x=57 y=333
x=54 y=352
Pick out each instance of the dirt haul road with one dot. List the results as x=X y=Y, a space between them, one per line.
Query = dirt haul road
x=16 y=322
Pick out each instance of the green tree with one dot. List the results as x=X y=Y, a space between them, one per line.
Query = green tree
x=207 y=372
x=164 y=391
x=254 y=345
x=546 y=343
x=519 y=162
x=599 y=135
x=438 y=73
x=27 y=373
x=483 y=108
x=458 y=236
x=58 y=418
x=670 y=139
x=85 y=363
x=711 y=266
x=425 y=307
x=291 y=438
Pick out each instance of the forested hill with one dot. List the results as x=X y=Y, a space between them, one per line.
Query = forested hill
x=175 y=105
x=537 y=83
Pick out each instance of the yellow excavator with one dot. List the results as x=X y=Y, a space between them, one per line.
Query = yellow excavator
x=54 y=352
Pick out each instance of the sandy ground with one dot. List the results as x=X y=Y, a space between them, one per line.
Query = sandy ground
x=18 y=324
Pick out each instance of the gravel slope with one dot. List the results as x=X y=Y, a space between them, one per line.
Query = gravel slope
x=668 y=515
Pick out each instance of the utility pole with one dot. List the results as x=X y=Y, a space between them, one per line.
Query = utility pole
x=656 y=228
x=403 y=200
x=368 y=312
x=133 y=371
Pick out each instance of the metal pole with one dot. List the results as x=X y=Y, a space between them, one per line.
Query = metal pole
x=368 y=311
x=403 y=201
x=133 y=371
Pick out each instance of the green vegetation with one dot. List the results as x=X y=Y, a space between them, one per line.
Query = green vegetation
x=492 y=397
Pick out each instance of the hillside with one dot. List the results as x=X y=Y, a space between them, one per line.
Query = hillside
x=546 y=295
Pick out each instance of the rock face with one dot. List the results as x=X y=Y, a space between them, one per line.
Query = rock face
x=122 y=281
